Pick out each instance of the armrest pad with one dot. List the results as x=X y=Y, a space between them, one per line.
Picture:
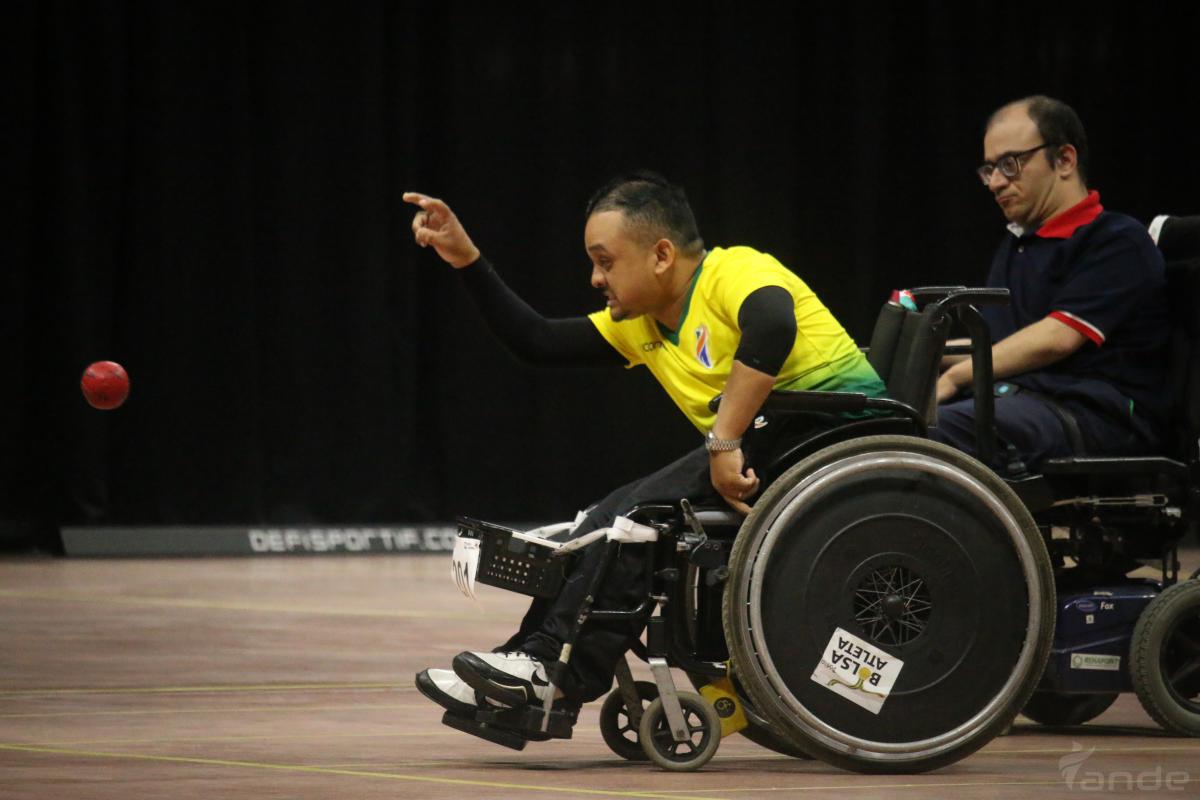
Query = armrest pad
x=977 y=296
x=781 y=400
x=798 y=400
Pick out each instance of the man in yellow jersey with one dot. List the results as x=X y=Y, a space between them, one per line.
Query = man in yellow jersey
x=730 y=321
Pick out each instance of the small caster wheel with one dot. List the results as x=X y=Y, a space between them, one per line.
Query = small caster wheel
x=704 y=727
x=619 y=727
x=1165 y=658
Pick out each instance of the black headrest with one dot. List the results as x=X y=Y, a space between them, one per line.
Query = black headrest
x=884 y=339
x=1183 y=295
x=1179 y=239
x=1183 y=298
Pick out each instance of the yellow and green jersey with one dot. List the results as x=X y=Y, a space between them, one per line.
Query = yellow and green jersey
x=693 y=362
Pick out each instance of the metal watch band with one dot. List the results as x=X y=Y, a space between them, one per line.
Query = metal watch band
x=714 y=445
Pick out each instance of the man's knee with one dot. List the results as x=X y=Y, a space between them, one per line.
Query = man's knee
x=1024 y=422
x=956 y=426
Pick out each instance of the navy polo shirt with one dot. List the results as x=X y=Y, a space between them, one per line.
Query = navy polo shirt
x=1100 y=273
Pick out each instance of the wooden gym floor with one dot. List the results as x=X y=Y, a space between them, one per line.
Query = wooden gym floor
x=292 y=677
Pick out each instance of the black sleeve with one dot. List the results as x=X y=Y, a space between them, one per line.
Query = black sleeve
x=527 y=334
x=768 y=322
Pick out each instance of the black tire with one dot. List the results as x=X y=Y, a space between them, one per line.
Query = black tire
x=1052 y=708
x=918 y=550
x=619 y=728
x=757 y=729
x=765 y=736
x=1164 y=658
x=703 y=723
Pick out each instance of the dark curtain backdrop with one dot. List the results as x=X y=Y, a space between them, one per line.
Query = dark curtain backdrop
x=210 y=194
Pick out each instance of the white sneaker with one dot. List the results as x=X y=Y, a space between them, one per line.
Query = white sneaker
x=511 y=678
x=445 y=688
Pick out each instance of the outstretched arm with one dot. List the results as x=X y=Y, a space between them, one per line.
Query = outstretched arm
x=526 y=333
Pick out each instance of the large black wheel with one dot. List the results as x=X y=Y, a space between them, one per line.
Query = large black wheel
x=890 y=605
x=1052 y=708
x=704 y=728
x=1164 y=658
x=619 y=724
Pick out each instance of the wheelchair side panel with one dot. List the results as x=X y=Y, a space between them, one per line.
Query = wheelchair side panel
x=1091 y=640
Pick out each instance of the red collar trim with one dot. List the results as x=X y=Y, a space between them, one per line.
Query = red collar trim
x=1064 y=225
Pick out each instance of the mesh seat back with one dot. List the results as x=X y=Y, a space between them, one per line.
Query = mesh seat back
x=885 y=338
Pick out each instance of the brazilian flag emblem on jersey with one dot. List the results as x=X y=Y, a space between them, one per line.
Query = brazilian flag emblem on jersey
x=702 y=354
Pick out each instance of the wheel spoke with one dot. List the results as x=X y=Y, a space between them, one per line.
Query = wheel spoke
x=892 y=605
x=1187 y=670
x=1182 y=640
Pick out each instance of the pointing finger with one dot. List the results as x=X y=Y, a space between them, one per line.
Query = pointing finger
x=427 y=203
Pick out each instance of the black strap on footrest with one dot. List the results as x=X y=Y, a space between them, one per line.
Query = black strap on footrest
x=500 y=736
x=526 y=721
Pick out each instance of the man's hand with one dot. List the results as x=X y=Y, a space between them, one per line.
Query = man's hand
x=435 y=224
x=946 y=388
x=725 y=469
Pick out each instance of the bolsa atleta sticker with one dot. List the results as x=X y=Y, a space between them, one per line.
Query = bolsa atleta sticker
x=857 y=670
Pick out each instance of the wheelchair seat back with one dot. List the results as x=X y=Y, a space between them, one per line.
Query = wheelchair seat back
x=906 y=349
x=1179 y=241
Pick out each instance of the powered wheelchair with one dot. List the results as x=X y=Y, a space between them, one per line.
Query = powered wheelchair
x=891 y=604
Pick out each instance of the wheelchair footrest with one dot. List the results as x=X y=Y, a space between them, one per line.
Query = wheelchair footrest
x=500 y=736
x=513 y=727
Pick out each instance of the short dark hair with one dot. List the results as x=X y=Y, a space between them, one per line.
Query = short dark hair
x=1058 y=124
x=652 y=204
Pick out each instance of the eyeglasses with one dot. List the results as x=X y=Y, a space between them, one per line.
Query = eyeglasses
x=1009 y=164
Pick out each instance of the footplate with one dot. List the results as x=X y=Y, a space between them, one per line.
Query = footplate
x=500 y=736
x=513 y=727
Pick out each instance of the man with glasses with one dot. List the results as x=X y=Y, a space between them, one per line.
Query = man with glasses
x=1079 y=354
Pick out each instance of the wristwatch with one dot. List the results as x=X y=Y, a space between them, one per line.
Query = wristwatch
x=714 y=445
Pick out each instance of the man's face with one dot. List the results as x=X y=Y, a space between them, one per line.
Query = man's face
x=1028 y=198
x=622 y=266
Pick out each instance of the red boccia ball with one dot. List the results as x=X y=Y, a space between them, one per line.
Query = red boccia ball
x=105 y=385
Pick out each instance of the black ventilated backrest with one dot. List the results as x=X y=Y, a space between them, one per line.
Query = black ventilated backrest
x=884 y=339
x=906 y=349
x=1179 y=241
x=1179 y=238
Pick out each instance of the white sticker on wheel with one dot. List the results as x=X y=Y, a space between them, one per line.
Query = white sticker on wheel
x=857 y=670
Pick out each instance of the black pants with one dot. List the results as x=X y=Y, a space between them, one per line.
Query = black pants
x=1025 y=422
x=602 y=643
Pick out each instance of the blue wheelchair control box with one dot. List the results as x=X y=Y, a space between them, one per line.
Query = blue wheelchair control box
x=1091 y=639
